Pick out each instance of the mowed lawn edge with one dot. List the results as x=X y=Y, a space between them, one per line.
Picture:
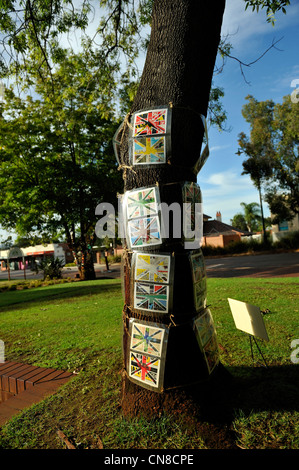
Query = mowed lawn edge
x=80 y=327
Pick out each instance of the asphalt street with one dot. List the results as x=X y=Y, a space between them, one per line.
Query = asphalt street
x=260 y=265
x=100 y=270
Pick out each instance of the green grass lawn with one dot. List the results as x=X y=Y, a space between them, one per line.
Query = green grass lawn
x=78 y=326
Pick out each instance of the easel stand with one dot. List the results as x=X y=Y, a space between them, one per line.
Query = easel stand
x=251 y=349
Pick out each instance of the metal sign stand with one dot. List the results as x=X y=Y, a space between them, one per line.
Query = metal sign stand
x=251 y=349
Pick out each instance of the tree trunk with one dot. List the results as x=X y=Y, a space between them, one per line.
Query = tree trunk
x=178 y=72
x=87 y=272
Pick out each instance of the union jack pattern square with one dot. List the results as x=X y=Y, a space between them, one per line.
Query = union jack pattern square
x=211 y=353
x=200 y=293
x=192 y=201
x=144 y=369
x=151 y=122
x=147 y=339
x=151 y=297
x=152 y=267
x=142 y=202
x=192 y=193
x=198 y=266
x=144 y=232
x=149 y=150
x=204 y=327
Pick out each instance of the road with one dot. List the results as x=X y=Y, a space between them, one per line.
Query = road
x=263 y=265
x=100 y=270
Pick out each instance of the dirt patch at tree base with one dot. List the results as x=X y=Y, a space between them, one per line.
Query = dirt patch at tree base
x=199 y=405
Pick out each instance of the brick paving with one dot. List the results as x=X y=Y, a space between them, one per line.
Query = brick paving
x=22 y=385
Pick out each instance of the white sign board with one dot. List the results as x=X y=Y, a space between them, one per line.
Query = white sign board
x=248 y=318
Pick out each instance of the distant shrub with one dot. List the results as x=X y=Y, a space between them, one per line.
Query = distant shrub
x=51 y=268
x=33 y=283
x=114 y=259
x=291 y=241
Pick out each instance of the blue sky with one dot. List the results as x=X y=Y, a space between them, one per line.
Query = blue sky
x=223 y=187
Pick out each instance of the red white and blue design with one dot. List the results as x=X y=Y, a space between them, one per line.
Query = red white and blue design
x=151 y=122
x=144 y=369
x=147 y=353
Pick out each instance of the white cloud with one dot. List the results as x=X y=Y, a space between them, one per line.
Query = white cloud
x=224 y=191
x=284 y=82
x=216 y=148
x=244 y=26
x=229 y=181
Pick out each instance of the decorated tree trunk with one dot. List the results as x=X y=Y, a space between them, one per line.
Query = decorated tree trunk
x=169 y=340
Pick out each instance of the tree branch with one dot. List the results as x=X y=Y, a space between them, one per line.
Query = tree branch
x=243 y=64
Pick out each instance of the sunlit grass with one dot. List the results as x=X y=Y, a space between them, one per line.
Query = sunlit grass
x=78 y=326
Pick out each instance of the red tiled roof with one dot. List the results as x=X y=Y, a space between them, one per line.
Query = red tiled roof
x=215 y=226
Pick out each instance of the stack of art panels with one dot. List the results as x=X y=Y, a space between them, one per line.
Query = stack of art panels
x=146 y=358
x=206 y=336
x=152 y=282
x=211 y=353
x=141 y=217
x=150 y=139
x=198 y=269
x=193 y=215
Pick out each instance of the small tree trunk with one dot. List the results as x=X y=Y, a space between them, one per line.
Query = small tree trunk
x=178 y=70
x=86 y=269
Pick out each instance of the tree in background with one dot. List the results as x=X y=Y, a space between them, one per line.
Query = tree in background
x=250 y=220
x=251 y=216
x=272 y=153
x=238 y=221
x=56 y=154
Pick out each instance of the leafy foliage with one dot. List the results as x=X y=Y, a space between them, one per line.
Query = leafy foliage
x=271 y=6
x=51 y=267
x=272 y=152
x=56 y=157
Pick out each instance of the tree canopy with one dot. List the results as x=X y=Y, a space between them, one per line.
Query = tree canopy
x=272 y=152
x=250 y=219
x=56 y=157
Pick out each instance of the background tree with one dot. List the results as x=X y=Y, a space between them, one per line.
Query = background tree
x=56 y=154
x=238 y=221
x=272 y=153
x=250 y=220
x=252 y=215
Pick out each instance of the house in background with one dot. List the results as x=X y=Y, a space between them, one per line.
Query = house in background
x=284 y=228
x=217 y=233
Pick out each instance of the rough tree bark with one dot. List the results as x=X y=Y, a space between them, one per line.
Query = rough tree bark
x=178 y=70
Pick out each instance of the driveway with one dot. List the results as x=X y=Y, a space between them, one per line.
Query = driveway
x=263 y=265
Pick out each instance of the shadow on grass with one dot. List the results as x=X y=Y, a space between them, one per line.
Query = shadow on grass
x=241 y=392
x=19 y=298
x=249 y=389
